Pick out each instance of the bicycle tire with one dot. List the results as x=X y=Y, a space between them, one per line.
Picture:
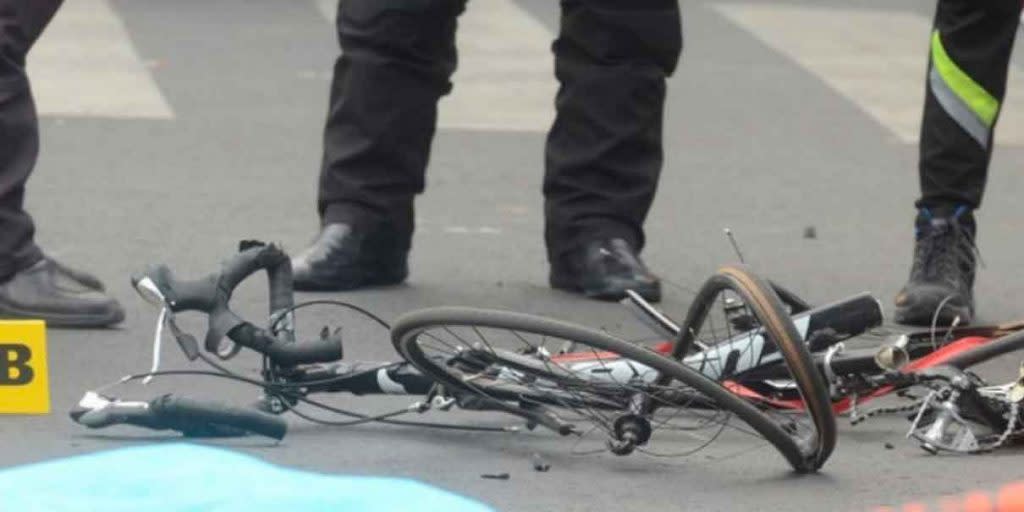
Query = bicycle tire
x=410 y=326
x=762 y=299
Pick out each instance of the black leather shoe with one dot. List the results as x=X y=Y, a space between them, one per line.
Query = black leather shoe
x=344 y=258
x=604 y=270
x=82 y=277
x=59 y=295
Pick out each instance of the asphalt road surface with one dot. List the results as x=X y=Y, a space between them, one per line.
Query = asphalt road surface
x=173 y=129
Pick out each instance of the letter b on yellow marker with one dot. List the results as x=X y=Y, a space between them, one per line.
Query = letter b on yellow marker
x=24 y=383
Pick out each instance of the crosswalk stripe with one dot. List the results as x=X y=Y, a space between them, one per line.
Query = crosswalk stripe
x=505 y=79
x=328 y=8
x=85 y=65
x=875 y=58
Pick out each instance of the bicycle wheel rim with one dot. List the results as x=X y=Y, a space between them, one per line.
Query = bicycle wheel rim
x=806 y=412
x=409 y=328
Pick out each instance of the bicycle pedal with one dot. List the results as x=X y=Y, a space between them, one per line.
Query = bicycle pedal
x=442 y=403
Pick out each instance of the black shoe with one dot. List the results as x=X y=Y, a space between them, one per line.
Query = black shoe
x=604 y=270
x=59 y=295
x=344 y=258
x=942 y=276
x=80 y=276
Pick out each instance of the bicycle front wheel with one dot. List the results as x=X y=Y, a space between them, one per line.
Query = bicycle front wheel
x=736 y=325
x=581 y=379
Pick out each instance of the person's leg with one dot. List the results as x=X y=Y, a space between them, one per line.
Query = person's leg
x=604 y=152
x=968 y=65
x=21 y=22
x=31 y=285
x=396 y=62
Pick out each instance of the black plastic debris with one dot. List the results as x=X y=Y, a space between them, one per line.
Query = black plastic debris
x=539 y=464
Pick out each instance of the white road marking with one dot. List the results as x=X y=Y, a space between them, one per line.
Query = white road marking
x=467 y=230
x=328 y=8
x=505 y=80
x=875 y=58
x=85 y=65
x=445 y=227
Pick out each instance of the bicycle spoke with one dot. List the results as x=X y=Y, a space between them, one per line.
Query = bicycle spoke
x=584 y=388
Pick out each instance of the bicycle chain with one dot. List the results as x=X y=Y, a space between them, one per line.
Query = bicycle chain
x=1011 y=424
x=911 y=407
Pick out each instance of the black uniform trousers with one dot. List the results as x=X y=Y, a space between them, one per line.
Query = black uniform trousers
x=21 y=22
x=966 y=83
x=604 y=151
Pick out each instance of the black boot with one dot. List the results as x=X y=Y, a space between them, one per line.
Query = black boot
x=346 y=258
x=59 y=295
x=604 y=270
x=942 y=276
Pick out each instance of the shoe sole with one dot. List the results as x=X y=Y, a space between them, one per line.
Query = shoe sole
x=62 y=320
x=917 y=315
x=610 y=293
x=649 y=293
x=356 y=284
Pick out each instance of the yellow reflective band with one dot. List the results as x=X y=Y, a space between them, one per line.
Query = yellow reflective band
x=983 y=104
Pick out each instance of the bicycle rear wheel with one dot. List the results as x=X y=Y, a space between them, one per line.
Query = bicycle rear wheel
x=572 y=378
x=737 y=323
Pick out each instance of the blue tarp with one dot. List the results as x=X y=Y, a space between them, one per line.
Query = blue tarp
x=186 y=478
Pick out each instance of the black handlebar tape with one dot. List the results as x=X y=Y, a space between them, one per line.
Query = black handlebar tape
x=286 y=354
x=214 y=290
x=251 y=260
x=212 y=293
x=189 y=415
x=282 y=292
x=254 y=256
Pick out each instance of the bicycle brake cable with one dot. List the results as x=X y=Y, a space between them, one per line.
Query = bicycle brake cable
x=279 y=388
x=157 y=337
x=309 y=401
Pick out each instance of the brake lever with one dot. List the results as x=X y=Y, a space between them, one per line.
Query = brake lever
x=188 y=343
x=97 y=411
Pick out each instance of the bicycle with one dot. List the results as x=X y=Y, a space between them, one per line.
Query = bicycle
x=568 y=378
x=961 y=413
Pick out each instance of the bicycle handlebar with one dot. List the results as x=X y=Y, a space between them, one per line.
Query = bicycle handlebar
x=168 y=412
x=211 y=295
x=286 y=354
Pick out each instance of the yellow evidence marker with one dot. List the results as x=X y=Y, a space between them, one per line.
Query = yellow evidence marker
x=24 y=382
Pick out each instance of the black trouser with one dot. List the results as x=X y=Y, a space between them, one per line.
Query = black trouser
x=604 y=152
x=21 y=22
x=970 y=56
